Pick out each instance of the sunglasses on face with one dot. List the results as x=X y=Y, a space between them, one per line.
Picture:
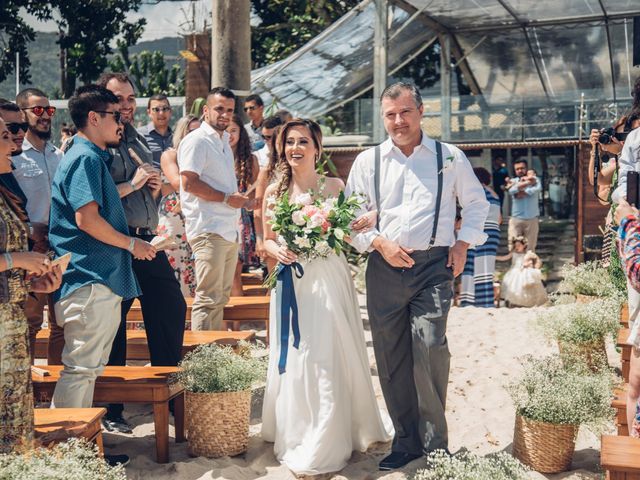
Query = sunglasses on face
x=161 y=109
x=116 y=115
x=250 y=108
x=14 y=128
x=39 y=110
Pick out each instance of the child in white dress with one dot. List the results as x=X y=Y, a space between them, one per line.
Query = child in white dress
x=522 y=284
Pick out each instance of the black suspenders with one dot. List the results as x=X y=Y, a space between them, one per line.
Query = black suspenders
x=376 y=181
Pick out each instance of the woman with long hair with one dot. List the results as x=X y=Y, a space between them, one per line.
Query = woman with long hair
x=20 y=271
x=171 y=219
x=322 y=407
x=247 y=169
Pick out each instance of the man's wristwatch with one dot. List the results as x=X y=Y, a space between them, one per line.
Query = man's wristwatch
x=226 y=198
x=132 y=244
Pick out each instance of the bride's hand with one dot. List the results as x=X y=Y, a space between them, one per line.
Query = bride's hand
x=285 y=256
x=364 y=222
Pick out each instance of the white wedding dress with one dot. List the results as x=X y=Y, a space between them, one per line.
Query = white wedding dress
x=323 y=407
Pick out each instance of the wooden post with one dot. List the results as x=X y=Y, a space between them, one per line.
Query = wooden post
x=379 y=67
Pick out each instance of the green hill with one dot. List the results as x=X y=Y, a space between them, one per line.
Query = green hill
x=45 y=63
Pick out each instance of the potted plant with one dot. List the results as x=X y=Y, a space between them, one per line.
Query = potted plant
x=587 y=281
x=580 y=329
x=217 y=383
x=467 y=466
x=552 y=399
x=75 y=458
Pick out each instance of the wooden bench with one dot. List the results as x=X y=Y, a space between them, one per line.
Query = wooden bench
x=239 y=310
x=625 y=355
x=620 y=457
x=137 y=348
x=131 y=385
x=54 y=425
x=619 y=403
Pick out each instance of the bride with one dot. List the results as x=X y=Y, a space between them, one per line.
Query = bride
x=322 y=407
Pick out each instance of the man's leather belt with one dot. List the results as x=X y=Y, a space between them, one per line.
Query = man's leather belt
x=140 y=231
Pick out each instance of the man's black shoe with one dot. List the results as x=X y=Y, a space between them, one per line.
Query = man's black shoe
x=116 y=424
x=115 y=460
x=397 y=460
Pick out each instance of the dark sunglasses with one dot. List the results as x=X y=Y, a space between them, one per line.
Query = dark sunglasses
x=250 y=108
x=161 y=109
x=39 y=110
x=116 y=115
x=14 y=128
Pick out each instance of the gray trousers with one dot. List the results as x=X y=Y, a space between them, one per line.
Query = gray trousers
x=408 y=311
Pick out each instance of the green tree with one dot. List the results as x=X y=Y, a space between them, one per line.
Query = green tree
x=15 y=35
x=147 y=70
x=287 y=25
x=86 y=29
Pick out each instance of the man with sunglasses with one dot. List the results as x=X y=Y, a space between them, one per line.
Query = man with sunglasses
x=28 y=181
x=254 y=108
x=163 y=306
x=158 y=133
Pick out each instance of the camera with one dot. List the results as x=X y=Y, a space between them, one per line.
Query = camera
x=607 y=134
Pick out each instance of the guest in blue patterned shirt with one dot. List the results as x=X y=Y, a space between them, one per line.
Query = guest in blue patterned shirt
x=87 y=220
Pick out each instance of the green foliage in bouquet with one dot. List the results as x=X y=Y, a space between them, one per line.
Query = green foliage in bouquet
x=580 y=322
x=588 y=278
x=550 y=390
x=213 y=368
x=69 y=460
x=467 y=466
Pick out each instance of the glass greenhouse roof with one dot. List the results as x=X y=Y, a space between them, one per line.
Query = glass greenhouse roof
x=509 y=49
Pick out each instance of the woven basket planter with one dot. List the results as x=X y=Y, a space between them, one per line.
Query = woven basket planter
x=593 y=354
x=580 y=298
x=217 y=424
x=545 y=447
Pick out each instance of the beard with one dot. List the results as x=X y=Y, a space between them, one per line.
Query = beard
x=46 y=135
x=16 y=152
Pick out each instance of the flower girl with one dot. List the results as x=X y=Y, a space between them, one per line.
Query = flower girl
x=522 y=284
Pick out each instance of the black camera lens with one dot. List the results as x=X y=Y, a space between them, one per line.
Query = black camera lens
x=605 y=135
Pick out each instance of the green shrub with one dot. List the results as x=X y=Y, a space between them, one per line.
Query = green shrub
x=213 y=368
x=467 y=466
x=588 y=278
x=74 y=459
x=563 y=393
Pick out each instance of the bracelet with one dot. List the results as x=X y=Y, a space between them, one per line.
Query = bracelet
x=133 y=185
x=226 y=198
x=9 y=260
x=132 y=244
x=30 y=227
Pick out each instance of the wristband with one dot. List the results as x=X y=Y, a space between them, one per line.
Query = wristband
x=9 y=260
x=133 y=185
x=226 y=198
x=30 y=227
x=132 y=244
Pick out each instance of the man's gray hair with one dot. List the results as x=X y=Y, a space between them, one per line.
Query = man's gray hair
x=395 y=90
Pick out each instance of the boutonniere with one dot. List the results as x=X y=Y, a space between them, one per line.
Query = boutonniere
x=448 y=163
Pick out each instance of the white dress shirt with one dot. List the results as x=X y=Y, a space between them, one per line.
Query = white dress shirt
x=408 y=191
x=629 y=161
x=208 y=154
x=34 y=171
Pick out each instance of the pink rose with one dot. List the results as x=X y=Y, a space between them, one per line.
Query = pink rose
x=309 y=210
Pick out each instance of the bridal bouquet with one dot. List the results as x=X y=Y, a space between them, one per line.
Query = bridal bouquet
x=312 y=228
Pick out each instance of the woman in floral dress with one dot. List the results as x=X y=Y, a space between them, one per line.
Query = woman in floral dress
x=171 y=221
x=16 y=396
x=247 y=169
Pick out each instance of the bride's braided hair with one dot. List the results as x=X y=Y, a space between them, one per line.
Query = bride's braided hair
x=284 y=167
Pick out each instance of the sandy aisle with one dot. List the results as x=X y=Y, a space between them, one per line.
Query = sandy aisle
x=484 y=344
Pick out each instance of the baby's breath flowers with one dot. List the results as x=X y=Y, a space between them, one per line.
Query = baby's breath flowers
x=69 y=460
x=588 y=278
x=467 y=466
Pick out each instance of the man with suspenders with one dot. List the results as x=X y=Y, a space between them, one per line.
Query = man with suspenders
x=414 y=182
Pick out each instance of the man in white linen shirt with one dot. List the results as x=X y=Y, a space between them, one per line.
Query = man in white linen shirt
x=210 y=202
x=415 y=257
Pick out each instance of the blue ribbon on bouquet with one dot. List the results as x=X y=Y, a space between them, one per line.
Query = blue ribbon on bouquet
x=287 y=309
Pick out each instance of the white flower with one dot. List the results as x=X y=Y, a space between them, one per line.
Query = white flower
x=339 y=233
x=303 y=199
x=281 y=240
x=298 y=218
x=302 y=242
x=271 y=200
x=323 y=248
x=315 y=221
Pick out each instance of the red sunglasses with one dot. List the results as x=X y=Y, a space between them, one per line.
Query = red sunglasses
x=39 y=110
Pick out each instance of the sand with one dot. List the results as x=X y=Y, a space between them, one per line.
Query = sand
x=485 y=345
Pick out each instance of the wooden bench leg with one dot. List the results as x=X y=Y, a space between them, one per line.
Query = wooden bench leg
x=161 y=423
x=99 y=443
x=178 y=417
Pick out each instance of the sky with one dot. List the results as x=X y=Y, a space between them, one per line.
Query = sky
x=165 y=19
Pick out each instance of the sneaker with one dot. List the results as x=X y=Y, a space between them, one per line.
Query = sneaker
x=116 y=424
x=117 y=460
